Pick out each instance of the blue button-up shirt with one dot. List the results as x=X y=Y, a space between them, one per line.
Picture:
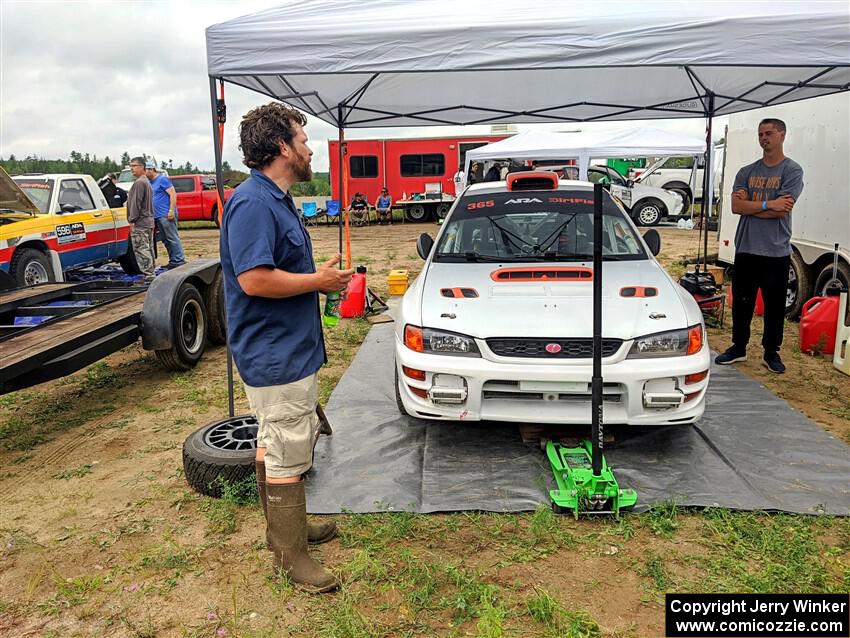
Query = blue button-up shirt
x=274 y=341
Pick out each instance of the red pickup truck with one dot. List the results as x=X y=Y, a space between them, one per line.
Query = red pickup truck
x=197 y=198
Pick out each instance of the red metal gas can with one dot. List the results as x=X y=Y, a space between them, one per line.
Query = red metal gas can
x=354 y=304
x=759 y=310
x=818 y=324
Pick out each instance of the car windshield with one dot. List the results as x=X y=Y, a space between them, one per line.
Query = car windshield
x=38 y=190
x=535 y=226
x=126 y=176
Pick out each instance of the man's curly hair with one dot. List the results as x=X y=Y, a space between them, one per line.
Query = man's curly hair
x=263 y=128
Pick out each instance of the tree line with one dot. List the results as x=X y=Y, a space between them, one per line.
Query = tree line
x=98 y=167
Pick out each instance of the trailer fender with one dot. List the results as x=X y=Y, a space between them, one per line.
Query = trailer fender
x=160 y=305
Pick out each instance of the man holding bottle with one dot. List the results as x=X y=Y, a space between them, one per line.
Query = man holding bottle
x=274 y=328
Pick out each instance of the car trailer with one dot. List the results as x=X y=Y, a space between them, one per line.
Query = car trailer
x=50 y=330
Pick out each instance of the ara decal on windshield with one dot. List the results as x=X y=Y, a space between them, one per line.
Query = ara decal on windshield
x=524 y=200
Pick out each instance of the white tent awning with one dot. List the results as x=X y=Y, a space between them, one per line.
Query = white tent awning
x=388 y=63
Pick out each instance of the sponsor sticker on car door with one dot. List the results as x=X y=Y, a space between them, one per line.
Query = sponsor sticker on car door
x=70 y=233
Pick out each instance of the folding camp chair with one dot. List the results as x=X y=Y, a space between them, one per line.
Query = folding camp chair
x=332 y=211
x=309 y=212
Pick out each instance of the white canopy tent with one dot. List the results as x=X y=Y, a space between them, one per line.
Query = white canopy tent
x=388 y=63
x=584 y=146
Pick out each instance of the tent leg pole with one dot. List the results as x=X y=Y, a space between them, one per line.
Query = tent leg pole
x=219 y=180
x=707 y=182
x=341 y=175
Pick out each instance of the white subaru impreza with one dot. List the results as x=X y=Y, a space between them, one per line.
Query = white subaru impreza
x=498 y=325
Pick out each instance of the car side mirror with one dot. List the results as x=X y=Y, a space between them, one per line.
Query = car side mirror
x=630 y=183
x=653 y=241
x=67 y=208
x=424 y=245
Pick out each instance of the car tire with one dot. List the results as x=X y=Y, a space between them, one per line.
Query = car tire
x=416 y=213
x=398 y=400
x=648 y=212
x=799 y=286
x=214 y=216
x=826 y=278
x=222 y=450
x=128 y=262
x=443 y=210
x=214 y=301
x=189 y=330
x=31 y=266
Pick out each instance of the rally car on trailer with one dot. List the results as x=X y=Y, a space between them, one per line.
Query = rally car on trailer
x=498 y=325
x=51 y=224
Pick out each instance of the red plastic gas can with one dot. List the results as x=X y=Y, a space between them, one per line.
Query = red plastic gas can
x=759 y=310
x=818 y=324
x=354 y=304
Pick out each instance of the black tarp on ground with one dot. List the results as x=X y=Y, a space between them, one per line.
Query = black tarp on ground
x=750 y=451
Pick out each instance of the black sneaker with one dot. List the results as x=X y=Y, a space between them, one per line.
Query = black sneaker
x=732 y=355
x=773 y=362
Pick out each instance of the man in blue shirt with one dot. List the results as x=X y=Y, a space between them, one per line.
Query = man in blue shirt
x=165 y=215
x=272 y=287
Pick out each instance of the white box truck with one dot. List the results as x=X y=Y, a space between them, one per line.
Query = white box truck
x=817 y=138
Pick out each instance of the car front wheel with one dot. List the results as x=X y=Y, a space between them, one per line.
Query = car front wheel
x=31 y=266
x=648 y=213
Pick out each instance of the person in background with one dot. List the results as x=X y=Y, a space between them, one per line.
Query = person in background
x=384 y=205
x=763 y=195
x=493 y=173
x=476 y=173
x=274 y=329
x=165 y=215
x=359 y=209
x=140 y=217
x=458 y=181
x=115 y=196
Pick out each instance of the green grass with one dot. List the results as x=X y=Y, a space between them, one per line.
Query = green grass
x=556 y=620
x=79 y=472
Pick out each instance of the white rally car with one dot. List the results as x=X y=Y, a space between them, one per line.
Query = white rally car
x=498 y=325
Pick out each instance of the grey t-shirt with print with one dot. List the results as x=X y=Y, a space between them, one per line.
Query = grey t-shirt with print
x=767 y=237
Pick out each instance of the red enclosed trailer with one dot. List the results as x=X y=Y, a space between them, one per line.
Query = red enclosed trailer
x=419 y=173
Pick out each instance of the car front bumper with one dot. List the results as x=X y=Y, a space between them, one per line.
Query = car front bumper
x=635 y=391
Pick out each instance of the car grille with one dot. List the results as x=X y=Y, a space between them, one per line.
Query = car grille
x=580 y=348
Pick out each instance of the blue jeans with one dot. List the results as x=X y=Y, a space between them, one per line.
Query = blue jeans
x=166 y=232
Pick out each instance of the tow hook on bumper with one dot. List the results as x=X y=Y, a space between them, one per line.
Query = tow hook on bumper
x=448 y=389
x=663 y=399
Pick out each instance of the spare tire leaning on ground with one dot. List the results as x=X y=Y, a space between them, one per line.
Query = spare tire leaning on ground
x=222 y=451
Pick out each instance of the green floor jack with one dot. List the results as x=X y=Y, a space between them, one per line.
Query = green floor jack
x=586 y=483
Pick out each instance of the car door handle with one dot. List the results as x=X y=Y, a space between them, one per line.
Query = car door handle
x=97 y=214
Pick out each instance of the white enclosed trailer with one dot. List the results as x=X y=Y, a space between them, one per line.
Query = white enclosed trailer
x=817 y=138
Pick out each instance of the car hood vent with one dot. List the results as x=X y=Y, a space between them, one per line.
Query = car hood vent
x=563 y=273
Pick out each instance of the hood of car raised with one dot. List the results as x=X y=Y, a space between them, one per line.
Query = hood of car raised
x=518 y=302
x=13 y=201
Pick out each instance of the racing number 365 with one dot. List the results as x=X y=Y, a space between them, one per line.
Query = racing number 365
x=483 y=204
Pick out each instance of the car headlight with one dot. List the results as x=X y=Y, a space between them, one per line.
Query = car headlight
x=672 y=343
x=439 y=342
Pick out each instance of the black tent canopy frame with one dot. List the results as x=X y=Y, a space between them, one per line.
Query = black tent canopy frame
x=706 y=104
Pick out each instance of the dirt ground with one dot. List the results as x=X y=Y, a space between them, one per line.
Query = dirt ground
x=102 y=537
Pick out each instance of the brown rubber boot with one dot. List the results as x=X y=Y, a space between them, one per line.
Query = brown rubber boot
x=287 y=524
x=317 y=533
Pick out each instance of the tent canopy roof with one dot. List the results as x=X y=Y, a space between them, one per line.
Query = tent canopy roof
x=388 y=63
x=644 y=142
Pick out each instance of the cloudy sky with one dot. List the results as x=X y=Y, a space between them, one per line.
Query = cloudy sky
x=109 y=77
